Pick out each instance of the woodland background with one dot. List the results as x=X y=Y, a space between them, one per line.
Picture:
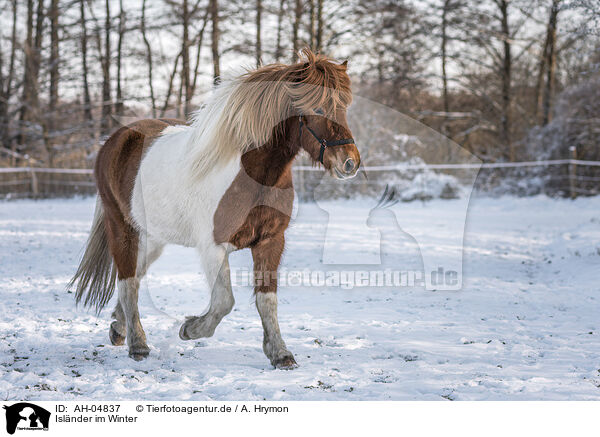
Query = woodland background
x=508 y=80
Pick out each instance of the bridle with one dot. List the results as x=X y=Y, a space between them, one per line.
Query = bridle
x=324 y=143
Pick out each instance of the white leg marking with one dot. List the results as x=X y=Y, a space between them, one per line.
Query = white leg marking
x=128 y=298
x=273 y=345
x=216 y=267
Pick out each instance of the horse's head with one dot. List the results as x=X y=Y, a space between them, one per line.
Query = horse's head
x=321 y=94
x=303 y=106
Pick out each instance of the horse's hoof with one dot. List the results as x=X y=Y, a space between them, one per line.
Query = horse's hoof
x=182 y=334
x=115 y=338
x=139 y=353
x=285 y=363
x=196 y=327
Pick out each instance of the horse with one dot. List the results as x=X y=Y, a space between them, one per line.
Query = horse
x=220 y=183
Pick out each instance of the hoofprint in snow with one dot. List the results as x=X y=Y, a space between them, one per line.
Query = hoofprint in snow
x=524 y=326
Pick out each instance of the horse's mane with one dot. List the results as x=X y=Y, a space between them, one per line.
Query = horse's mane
x=242 y=113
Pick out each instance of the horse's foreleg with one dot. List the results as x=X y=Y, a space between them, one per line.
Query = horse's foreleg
x=266 y=255
x=216 y=267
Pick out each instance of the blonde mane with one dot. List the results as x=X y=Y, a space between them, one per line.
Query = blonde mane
x=242 y=113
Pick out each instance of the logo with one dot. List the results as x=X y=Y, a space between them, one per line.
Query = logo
x=26 y=416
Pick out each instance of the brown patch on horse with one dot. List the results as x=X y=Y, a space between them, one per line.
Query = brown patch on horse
x=258 y=204
x=119 y=160
x=116 y=168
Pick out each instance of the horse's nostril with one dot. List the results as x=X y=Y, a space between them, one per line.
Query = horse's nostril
x=349 y=165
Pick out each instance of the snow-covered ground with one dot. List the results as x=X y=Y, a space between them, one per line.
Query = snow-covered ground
x=525 y=325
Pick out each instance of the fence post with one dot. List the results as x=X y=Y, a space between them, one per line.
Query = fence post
x=573 y=172
x=34 y=182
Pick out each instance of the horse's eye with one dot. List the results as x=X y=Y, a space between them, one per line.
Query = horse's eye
x=319 y=111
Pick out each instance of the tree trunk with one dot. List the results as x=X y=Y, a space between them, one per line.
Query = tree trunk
x=444 y=54
x=121 y=31
x=312 y=27
x=258 y=30
x=185 y=53
x=170 y=87
x=506 y=82
x=319 y=36
x=149 y=59
x=295 y=29
x=539 y=87
x=278 y=49
x=106 y=94
x=32 y=49
x=6 y=84
x=54 y=58
x=551 y=64
x=87 y=101
x=214 y=14
x=199 y=40
x=27 y=78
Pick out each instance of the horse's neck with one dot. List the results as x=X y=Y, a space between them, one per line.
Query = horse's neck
x=269 y=165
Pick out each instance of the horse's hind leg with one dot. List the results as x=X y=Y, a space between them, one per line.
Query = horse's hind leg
x=216 y=267
x=118 y=328
x=124 y=247
x=148 y=252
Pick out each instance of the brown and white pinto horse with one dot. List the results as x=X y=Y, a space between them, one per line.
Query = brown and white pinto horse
x=219 y=184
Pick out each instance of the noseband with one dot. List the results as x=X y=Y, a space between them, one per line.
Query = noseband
x=324 y=143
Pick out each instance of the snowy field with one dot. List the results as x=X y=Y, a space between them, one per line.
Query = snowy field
x=525 y=325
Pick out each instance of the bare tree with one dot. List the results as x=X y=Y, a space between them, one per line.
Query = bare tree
x=312 y=25
x=319 y=34
x=445 y=11
x=506 y=78
x=259 y=8
x=199 y=40
x=185 y=53
x=296 y=29
x=33 y=45
x=170 y=87
x=149 y=59
x=105 y=60
x=549 y=64
x=54 y=56
x=6 y=82
x=121 y=33
x=280 y=13
x=214 y=14
x=87 y=101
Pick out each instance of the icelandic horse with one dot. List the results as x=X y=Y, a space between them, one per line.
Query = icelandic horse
x=220 y=184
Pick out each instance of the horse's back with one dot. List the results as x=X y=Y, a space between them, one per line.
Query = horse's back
x=119 y=160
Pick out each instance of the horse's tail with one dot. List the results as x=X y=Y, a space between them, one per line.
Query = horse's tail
x=96 y=274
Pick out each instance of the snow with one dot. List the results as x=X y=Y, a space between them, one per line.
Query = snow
x=524 y=326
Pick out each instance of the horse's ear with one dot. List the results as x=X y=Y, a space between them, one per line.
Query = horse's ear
x=345 y=64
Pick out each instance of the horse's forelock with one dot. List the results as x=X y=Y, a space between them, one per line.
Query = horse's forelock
x=315 y=81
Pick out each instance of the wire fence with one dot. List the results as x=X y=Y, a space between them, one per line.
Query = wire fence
x=571 y=178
